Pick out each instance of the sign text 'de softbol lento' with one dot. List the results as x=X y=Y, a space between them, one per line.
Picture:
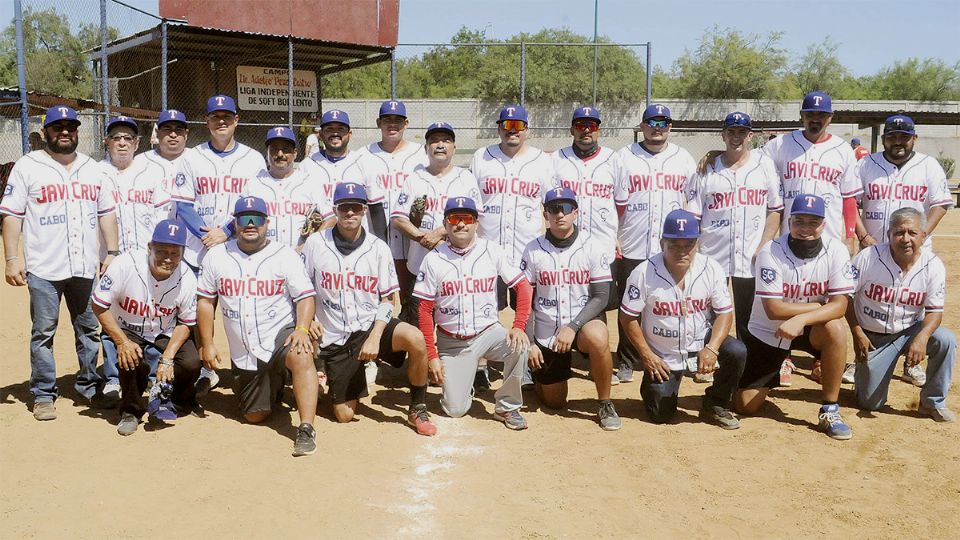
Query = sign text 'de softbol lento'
x=265 y=89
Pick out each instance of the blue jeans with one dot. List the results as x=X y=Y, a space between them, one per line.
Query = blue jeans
x=111 y=367
x=872 y=378
x=45 y=314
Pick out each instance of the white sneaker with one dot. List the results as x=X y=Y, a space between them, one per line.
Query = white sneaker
x=207 y=381
x=112 y=390
x=915 y=374
x=370 y=371
x=848 y=373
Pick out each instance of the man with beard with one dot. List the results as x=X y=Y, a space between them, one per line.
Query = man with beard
x=134 y=184
x=651 y=182
x=335 y=164
x=900 y=313
x=288 y=192
x=147 y=304
x=60 y=201
x=803 y=279
x=899 y=177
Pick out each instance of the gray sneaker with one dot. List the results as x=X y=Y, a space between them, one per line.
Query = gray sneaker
x=719 y=416
x=512 y=419
x=306 y=443
x=940 y=414
x=609 y=420
x=127 y=424
x=44 y=410
x=614 y=380
x=625 y=374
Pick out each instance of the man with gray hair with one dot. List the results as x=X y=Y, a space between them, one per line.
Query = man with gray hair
x=899 y=312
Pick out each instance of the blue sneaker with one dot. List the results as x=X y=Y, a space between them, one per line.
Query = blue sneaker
x=832 y=424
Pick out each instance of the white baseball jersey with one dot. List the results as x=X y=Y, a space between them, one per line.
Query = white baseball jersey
x=561 y=278
x=782 y=275
x=389 y=171
x=464 y=285
x=732 y=206
x=134 y=193
x=648 y=187
x=257 y=295
x=320 y=169
x=437 y=189
x=140 y=303
x=289 y=200
x=921 y=184
x=162 y=196
x=675 y=321
x=593 y=180
x=825 y=169
x=213 y=181
x=512 y=190
x=349 y=287
x=888 y=300
x=59 y=210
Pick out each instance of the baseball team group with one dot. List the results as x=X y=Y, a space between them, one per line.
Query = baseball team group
x=321 y=268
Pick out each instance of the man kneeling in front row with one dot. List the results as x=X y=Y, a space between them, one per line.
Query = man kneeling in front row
x=147 y=304
x=899 y=312
x=685 y=317
x=356 y=281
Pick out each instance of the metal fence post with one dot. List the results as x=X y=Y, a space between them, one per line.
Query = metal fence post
x=104 y=71
x=22 y=79
x=523 y=72
x=649 y=74
x=596 y=11
x=290 y=82
x=163 y=65
x=393 y=74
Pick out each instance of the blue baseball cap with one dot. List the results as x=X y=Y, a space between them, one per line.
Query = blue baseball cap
x=855 y=140
x=170 y=231
x=810 y=205
x=440 y=126
x=680 y=224
x=58 y=113
x=123 y=121
x=349 y=191
x=281 y=132
x=221 y=102
x=250 y=205
x=738 y=119
x=590 y=113
x=335 y=115
x=656 y=111
x=171 y=115
x=513 y=112
x=393 y=108
x=560 y=194
x=460 y=204
x=817 y=101
x=899 y=123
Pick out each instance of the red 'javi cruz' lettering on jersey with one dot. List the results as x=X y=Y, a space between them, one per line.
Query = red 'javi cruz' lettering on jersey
x=60 y=192
x=805 y=290
x=513 y=185
x=337 y=281
x=890 y=295
x=288 y=208
x=144 y=309
x=467 y=286
x=215 y=184
x=251 y=287
x=813 y=171
x=900 y=192
x=659 y=181
x=675 y=308
x=743 y=196
x=588 y=188
x=392 y=182
x=563 y=277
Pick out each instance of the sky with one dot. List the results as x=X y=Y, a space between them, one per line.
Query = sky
x=870 y=34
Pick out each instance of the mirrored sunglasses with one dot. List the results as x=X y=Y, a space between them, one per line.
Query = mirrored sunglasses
x=466 y=219
x=586 y=126
x=255 y=220
x=513 y=125
x=658 y=123
x=354 y=207
x=557 y=207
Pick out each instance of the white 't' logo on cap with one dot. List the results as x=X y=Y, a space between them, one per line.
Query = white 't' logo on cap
x=810 y=202
x=350 y=188
x=172 y=229
x=816 y=100
x=460 y=201
x=249 y=202
x=510 y=111
x=681 y=224
x=279 y=131
x=335 y=114
x=63 y=111
x=659 y=109
x=586 y=110
x=219 y=100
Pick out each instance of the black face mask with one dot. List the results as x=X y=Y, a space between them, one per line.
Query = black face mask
x=563 y=243
x=805 y=249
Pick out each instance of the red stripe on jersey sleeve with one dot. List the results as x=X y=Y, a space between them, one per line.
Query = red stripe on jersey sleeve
x=206 y=294
x=629 y=311
x=100 y=302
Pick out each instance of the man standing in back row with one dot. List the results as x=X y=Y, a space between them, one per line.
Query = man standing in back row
x=652 y=181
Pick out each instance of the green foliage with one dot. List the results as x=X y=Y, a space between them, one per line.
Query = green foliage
x=820 y=69
x=731 y=65
x=922 y=80
x=949 y=165
x=54 y=54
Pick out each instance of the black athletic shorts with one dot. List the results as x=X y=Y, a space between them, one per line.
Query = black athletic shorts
x=259 y=389
x=556 y=366
x=763 y=361
x=346 y=380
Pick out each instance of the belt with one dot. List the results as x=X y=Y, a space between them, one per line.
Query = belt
x=462 y=336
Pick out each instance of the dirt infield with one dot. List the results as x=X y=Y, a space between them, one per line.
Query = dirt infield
x=563 y=477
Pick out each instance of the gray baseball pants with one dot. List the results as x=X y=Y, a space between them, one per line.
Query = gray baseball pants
x=460 y=358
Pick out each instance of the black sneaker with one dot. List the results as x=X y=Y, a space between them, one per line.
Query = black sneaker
x=719 y=416
x=481 y=383
x=306 y=443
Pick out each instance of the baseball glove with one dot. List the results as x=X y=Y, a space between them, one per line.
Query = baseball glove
x=417 y=209
x=313 y=223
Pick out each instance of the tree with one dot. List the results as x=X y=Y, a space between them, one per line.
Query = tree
x=731 y=65
x=914 y=79
x=54 y=54
x=820 y=69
